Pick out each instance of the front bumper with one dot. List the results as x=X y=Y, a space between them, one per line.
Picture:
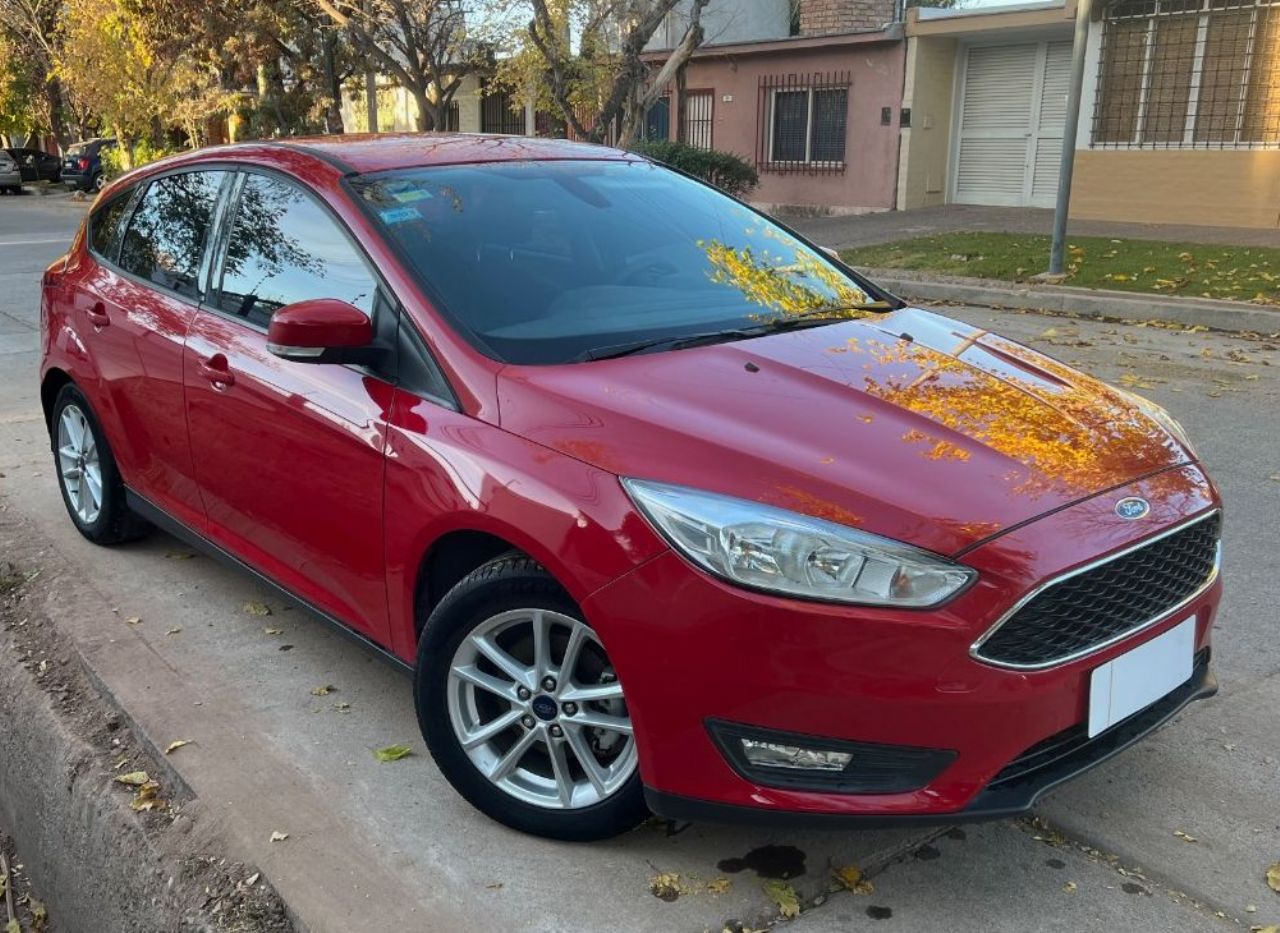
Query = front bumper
x=10 y=179
x=692 y=649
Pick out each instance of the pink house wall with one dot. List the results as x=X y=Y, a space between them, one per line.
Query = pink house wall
x=869 y=179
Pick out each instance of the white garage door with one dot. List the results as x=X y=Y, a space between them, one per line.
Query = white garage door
x=1013 y=102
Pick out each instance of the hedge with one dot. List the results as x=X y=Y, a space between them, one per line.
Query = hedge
x=728 y=172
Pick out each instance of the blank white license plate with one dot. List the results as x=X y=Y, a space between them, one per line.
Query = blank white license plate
x=1120 y=688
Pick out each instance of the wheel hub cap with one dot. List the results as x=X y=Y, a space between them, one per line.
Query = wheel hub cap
x=79 y=469
x=534 y=703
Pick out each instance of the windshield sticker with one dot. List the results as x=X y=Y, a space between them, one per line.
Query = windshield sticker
x=398 y=215
x=410 y=195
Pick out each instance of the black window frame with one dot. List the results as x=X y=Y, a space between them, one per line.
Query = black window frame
x=129 y=196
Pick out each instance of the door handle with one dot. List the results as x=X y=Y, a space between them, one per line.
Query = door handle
x=97 y=315
x=216 y=370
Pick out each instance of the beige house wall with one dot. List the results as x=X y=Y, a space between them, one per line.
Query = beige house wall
x=1238 y=188
x=930 y=83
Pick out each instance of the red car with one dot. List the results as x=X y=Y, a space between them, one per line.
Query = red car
x=665 y=507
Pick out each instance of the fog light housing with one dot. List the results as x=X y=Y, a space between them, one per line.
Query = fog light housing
x=793 y=761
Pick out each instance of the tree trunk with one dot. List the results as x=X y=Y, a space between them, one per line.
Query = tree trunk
x=428 y=116
x=53 y=98
x=333 y=88
x=371 y=100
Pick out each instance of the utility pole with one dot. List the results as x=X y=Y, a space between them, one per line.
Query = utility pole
x=1057 y=253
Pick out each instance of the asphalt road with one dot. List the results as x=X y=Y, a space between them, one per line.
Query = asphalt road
x=390 y=847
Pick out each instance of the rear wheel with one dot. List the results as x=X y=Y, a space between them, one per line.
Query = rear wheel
x=522 y=709
x=99 y=182
x=87 y=476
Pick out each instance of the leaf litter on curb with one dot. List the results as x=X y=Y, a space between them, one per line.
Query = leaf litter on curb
x=784 y=896
x=147 y=798
x=174 y=746
x=1273 y=877
x=393 y=753
x=133 y=778
x=257 y=609
x=850 y=878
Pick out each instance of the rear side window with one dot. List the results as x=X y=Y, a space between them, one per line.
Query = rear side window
x=165 y=237
x=104 y=226
x=284 y=247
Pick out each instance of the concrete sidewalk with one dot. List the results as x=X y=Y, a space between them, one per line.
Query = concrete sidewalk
x=849 y=231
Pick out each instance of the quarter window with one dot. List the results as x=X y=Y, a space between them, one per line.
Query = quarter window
x=283 y=248
x=104 y=226
x=165 y=237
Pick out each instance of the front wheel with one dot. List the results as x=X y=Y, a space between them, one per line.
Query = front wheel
x=522 y=709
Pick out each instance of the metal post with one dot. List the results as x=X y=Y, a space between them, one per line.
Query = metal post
x=371 y=99
x=1057 y=253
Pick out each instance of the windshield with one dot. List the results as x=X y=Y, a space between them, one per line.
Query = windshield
x=549 y=262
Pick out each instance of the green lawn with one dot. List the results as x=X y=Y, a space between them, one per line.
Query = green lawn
x=1196 y=269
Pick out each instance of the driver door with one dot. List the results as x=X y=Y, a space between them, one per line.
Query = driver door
x=289 y=456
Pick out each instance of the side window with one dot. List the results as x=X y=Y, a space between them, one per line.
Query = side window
x=165 y=237
x=104 y=226
x=284 y=247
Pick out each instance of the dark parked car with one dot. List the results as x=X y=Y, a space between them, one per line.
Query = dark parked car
x=36 y=165
x=82 y=166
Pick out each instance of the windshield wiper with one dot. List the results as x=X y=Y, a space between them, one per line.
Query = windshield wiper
x=818 y=316
x=666 y=343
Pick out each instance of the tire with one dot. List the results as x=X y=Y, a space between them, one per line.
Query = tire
x=106 y=519
x=502 y=603
x=98 y=183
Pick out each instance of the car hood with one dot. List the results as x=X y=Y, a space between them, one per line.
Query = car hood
x=908 y=424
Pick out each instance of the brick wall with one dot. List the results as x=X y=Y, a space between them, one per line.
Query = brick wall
x=820 y=17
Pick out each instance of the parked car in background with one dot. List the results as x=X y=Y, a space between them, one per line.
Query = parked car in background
x=82 y=166
x=664 y=506
x=10 y=174
x=36 y=165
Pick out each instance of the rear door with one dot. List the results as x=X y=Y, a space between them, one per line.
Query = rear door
x=135 y=305
x=289 y=455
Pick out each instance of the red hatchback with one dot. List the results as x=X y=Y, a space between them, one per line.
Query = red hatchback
x=665 y=507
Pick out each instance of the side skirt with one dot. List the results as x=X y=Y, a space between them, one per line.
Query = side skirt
x=166 y=522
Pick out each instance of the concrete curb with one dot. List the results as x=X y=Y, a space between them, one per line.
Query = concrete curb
x=1218 y=315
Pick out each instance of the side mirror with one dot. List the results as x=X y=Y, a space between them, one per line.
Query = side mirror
x=320 y=330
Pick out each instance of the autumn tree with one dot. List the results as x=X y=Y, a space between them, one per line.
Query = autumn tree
x=33 y=35
x=423 y=45
x=604 y=79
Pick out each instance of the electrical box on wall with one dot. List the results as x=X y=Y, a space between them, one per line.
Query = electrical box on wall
x=886 y=116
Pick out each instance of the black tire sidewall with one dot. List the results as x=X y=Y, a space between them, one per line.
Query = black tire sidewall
x=503 y=585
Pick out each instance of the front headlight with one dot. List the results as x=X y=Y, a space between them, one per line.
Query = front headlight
x=1161 y=417
x=766 y=548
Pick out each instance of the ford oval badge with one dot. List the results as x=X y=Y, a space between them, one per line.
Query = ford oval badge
x=1132 y=507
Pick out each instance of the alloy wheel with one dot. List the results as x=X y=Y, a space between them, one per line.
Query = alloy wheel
x=536 y=706
x=78 y=464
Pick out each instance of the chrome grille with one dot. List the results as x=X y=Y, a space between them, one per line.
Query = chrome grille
x=1088 y=609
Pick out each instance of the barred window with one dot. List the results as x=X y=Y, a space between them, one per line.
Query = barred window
x=803 y=123
x=1189 y=74
x=698 y=110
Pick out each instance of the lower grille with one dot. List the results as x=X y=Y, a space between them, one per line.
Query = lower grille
x=1097 y=606
x=1074 y=743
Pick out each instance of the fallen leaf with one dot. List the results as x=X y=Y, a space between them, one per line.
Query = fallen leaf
x=323 y=691
x=133 y=620
x=1070 y=887
x=495 y=886
x=666 y=886
x=253 y=879
x=393 y=753
x=850 y=878
x=1271 y=929
x=342 y=707
x=147 y=798
x=1185 y=837
x=1273 y=877
x=257 y=609
x=285 y=648
x=39 y=914
x=273 y=631
x=784 y=896
x=179 y=555
x=719 y=885
x=173 y=631
x=278 y=836
x=133 y=778
x=174 y=746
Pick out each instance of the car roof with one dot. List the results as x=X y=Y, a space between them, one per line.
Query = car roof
x=376 y=152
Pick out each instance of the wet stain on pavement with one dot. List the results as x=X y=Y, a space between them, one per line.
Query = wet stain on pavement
x=926 y=853
x=955 y=832
x=1130 y=887
x=1055 y=863
x=781 y=862
x=879 y=913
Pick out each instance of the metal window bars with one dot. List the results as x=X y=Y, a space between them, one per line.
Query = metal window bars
x=1189 y=74
x=802 y=123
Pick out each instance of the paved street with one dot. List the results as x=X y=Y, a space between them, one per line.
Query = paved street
x=377 y=846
